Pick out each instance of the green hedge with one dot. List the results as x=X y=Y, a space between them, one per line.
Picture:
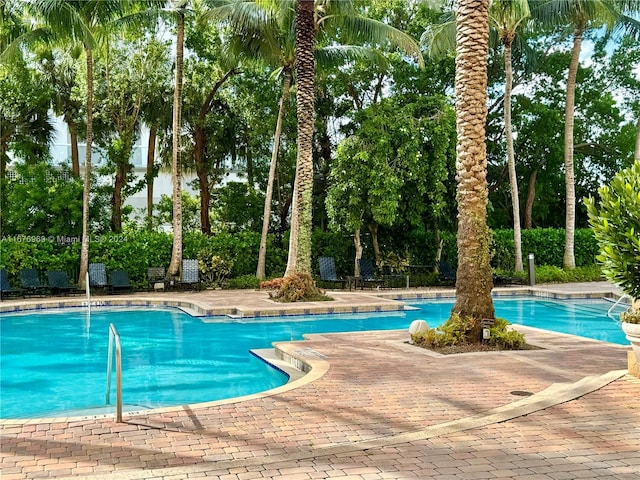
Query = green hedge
x=136 y=251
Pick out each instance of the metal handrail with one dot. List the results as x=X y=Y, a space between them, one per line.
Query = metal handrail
x=114 y=337
x=620 y=298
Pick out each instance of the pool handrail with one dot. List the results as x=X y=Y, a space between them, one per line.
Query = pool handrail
x=620 y=298
x=114 y=337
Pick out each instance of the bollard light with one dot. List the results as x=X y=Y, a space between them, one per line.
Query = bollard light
x=532 y=269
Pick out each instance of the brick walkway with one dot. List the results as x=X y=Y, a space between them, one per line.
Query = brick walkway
x=372 y=407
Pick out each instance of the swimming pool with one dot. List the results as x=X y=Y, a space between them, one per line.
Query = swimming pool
x=53 y=363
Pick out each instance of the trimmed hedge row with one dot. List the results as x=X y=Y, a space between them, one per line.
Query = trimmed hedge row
x=136 y=251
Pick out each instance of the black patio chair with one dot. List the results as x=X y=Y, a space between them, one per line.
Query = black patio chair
x=59 y=283
x=30 y=281
x=156 y=278
x=6 y=290
x=98 y=277
x=446 y=274
x=392 y=279
x=119 y=282
x=328 y=272
x=367 y=275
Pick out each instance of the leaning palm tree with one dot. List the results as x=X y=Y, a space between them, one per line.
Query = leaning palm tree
x=474 y=282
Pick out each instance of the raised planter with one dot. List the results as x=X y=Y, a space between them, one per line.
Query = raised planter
x=632 y=331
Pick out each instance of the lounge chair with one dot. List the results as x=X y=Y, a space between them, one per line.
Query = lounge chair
x=156 y=278
x=59 y=283
x=367 y=275
x=30 y=281
x=190 y=275
x=446 y=274
x=119 y=282
x=98 y=276
x=6 y=290
x=391 y=279
x=328 y=272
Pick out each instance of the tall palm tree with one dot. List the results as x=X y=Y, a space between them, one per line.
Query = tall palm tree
x=507 y=16
x=582 y=15
x=266 y=30
x=83 y=22
x=180 y=7
x=299 y=259
x=474 y=282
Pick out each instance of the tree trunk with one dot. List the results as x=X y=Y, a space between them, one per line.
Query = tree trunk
x=301 y=223
x=266 y=216
x=84 y=250
x=75 y=156
x=373 y=230
x=203 y=178
x=116 y=198
x=175 y=266
x=531 y=196
x=474 y=281
x=511 y=162
x=151 y=155
x=569 y=261
x=357 y=242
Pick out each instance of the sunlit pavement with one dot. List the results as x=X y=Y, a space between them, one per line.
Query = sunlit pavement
x=372 y=407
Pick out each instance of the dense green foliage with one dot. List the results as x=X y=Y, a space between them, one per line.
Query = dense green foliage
x=230 y=259
x=616 y=223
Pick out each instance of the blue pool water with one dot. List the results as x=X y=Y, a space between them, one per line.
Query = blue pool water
x=54 y=363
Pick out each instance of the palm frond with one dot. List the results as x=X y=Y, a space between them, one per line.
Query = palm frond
x=338 y=55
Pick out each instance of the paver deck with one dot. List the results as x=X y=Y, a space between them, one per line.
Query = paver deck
x=372 y=407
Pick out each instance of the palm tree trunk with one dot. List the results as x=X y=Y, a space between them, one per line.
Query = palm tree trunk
x=569 y=261
x=176 y=252
x=84 y=250
x=75 y=156
x=151 y=154
x=266 y=216
x=301 y=223
x=511 y=162
x=474 y=282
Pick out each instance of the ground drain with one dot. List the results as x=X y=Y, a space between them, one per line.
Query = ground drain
x=521 y=393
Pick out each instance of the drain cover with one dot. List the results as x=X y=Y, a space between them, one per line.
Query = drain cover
x=521 y=393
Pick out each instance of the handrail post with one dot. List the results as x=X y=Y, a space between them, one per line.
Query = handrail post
x=114 y=337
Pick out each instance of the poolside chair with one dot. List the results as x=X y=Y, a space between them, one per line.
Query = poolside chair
x=446 y=274
x=156 y=278
x=391 y=279
x=119 y=282
x=190 y=275
x=328 y=272
x=367 y=275
x=98 y=276
x=6 y=290
x=59 y=283
x=30 y=281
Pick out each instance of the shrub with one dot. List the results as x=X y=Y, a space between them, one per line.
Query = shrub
x=298 y=287
x=459 y=331
x=616 y=223
x=213 y=268
x=243 y=282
